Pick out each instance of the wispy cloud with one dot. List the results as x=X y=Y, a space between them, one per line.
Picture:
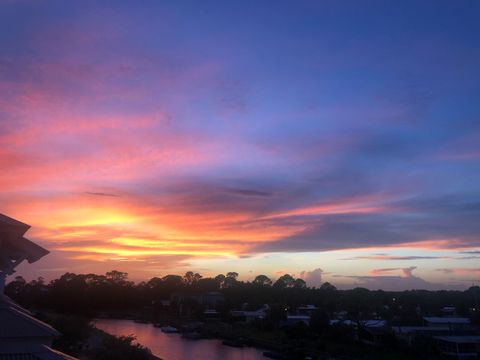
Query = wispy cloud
x=395 y=258
x=126 y=143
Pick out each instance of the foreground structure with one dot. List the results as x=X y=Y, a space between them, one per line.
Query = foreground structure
x=22 y=337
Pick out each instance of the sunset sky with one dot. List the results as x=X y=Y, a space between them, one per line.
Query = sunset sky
x=335 y=140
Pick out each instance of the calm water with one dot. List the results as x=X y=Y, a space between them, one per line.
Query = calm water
x=173 y=346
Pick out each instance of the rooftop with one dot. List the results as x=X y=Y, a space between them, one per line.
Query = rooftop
x=18 y=323
x=38 y=352
x=447 y=320
x=22 y=337
x=13 y=246
x=466 y=339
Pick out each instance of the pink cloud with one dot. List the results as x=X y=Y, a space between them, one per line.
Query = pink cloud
x=405 y=272
x=460 y=270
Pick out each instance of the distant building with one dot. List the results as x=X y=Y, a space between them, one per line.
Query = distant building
x=249 y=316
x=455 y=337
x=373 y=335
x=374 y=323
x=453 y=323
x=306 y=310
x=449 y=311
x=296 y=319
x=211 y=315
x=408 y=333
x=22 y=337
x=459 y=347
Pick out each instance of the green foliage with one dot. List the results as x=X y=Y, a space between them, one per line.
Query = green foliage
x=262 y=280
x=120 y=348
x=284 y=282
x=113 y=293
x=75 y=331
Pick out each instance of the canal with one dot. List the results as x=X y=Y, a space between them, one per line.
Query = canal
x=173 y=346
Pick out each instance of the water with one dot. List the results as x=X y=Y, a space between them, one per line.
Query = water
x=173 y=346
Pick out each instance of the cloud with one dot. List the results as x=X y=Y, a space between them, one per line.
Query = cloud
x=117 y=147
x=405 y=281
x=444 y=222
x=101 y=194
x=312 y=278
x=396 y=258
x=460 y=270
x=405 y=272
x=249 y=192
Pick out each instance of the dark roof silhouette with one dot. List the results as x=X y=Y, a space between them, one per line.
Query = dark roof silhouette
x=12 y=240
x=17 y=322
x=22 y=337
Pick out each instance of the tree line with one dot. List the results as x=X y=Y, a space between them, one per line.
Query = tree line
x=88 y=294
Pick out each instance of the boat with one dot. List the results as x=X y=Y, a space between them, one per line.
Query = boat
x=169 y=329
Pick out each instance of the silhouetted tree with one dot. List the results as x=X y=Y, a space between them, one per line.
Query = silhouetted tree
x=191 y=278
x=284 y=281
x=299 y=284
x=262 y=280
x=230 y=280
x=220 y=279
x=327 y=287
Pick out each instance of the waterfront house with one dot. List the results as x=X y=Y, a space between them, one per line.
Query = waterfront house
x=464 y=347
x=453 y=323
x=21 y=335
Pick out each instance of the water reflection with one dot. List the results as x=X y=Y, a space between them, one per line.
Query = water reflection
x=173 y=346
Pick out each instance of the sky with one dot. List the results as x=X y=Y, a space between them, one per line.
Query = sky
x=333 y=140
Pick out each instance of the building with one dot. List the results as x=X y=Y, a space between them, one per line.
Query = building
x=449 y=311
x=453 y=323
x=211 y=315
x=408 y=333
x=375 y=336
x=307 y=310
x=22 y=337
x=455 y=338
x=459 y=347
x=296 y=319
x=249 y=316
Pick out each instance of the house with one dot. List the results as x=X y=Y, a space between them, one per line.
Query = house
x=306 y=309
x=408 y=333
x=453 y=323
x=373 y=335
x=372 y=332
x=211 y=315
x=249 y=316
x=345 y=322
x=363 y=323
x=296 y=319
x=459 y=347
x=21 y=335
x=449 y=311
x=341 y=315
